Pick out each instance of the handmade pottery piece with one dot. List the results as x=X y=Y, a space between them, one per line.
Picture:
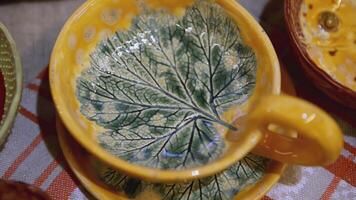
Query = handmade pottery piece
x=323 y=34
x=10 y=84
x=248 y=179
x=104 y=182
x=174 y=98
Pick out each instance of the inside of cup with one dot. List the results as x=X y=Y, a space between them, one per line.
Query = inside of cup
x=156 y=89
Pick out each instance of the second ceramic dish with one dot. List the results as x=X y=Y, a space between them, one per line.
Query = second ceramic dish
x=11 y=82
x=323 y=35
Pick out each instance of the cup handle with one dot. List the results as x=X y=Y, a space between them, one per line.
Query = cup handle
x=295 y=131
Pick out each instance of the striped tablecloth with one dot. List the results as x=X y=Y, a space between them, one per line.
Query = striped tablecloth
x=32 y=153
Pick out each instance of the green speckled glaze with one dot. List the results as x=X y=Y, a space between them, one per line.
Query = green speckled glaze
x=222 y=186
x=160 y=87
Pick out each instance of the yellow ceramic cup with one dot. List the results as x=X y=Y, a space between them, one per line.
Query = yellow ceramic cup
x=276 y=126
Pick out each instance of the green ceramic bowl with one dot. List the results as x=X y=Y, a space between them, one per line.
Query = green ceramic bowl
x=11 y=70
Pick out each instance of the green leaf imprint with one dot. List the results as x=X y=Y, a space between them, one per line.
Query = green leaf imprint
x=159 y=87
x=223 y=186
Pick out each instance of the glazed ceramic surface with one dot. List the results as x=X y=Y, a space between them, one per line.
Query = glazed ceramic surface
x=253 y=178
x=225 y=185
x=160 y=88
x=240 y=181
x=162 y=92
x=329 y=28
x=11 y=72
x=170 y=98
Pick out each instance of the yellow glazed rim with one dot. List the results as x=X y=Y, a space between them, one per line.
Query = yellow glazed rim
x=100 y=191
x=268 y=82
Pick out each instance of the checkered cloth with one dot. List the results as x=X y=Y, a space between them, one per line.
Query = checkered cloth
x=32 y=153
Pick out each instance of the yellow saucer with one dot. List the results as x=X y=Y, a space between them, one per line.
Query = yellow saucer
x=76 y=156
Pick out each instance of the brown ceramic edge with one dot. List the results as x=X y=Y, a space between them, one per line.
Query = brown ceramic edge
x=35 y=191
x=319 y=77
